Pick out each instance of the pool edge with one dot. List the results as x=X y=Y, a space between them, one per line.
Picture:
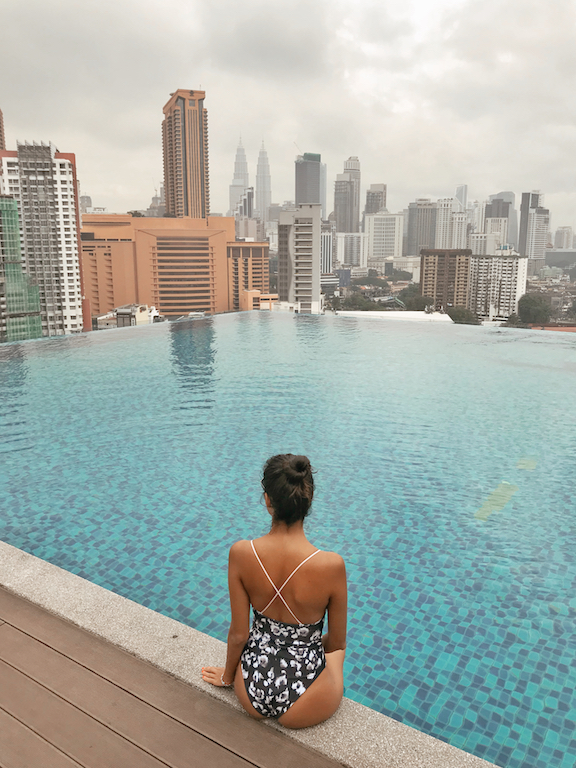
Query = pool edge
x=356 y=735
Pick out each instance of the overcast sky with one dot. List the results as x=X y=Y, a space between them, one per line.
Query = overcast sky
x=428 y=94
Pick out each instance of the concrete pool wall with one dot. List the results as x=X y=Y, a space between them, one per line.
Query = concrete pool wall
x=357 y=736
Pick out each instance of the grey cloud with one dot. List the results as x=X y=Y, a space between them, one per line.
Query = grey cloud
x=483 y=97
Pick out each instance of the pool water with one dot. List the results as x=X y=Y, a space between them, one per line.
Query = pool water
x=445 y=477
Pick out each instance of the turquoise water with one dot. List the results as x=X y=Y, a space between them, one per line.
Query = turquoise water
x=132 y=457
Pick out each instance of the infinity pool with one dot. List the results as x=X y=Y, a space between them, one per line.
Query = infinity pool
x=445 y=477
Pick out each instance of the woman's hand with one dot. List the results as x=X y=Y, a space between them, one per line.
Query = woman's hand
x=214 y=675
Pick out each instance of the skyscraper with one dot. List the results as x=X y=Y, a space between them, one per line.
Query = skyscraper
x=502 y=204
x=534 y=225
x=564 y=237
x=19 y=298
x=263 y=185
x=421 y=226
x=384 y=232
x=240 y=181
x=347 y=197
x=375 y=199
x=299 y=261
x=310 y=180
x=462 y=196
x=44 y=183
x=185 y=149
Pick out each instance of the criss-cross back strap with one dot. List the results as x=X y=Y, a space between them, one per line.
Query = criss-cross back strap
x=278 y=591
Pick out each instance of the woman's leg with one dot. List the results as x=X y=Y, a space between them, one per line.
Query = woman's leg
x=321 y=699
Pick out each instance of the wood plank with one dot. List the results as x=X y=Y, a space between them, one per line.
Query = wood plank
x=138 y=722
x=78 y=735
x=262 y=746
x=22 y=748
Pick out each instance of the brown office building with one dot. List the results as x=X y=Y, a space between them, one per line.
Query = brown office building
x=185 y=149
x=177 y=265
x=445 y=276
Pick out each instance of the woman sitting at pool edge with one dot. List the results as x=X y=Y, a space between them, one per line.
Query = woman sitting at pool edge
x=282 y=666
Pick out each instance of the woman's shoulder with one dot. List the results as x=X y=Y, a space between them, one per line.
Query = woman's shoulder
x=331 y=559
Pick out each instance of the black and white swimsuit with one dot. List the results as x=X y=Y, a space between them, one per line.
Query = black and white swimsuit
x=280 y=660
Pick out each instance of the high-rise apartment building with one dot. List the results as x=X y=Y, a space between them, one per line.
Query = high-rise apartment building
x=326 y=251
x=299 y=257
x=352 y=249
x=310 y=180
x=185 y=149
x=384 y=232
x=421 y=226
x=43 y=182
x=375 y=201
x=347 y=197
x=564 y=238
x=177 y=265
x=247 y=274
x=534 y=225
x=241 y=179
x=263 y=185
x=19 y=298
x=502 y=205
x=2 y=134
x=444 y=222
x=497 y=283
x=445 y=276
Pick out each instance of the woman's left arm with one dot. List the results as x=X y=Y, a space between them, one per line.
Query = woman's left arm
x=239 y=624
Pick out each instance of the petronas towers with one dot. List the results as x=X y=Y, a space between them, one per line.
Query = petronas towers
x=241 y=182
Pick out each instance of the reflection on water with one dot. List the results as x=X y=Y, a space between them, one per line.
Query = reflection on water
x=14 y=427
x=193 y=357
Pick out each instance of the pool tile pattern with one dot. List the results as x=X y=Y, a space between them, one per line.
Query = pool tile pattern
x=133 y=459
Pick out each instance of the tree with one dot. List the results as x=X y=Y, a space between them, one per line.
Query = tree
x=399 y=274
x=534 y=308
x=135 y=214
x=418 y=303
x=358 y=302
x=463 y=316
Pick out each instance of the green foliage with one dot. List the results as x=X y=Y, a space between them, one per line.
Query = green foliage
x=399 y=274
x=409 y=291
x=418 y=303
x=513 y=322
x=135 y=214
x=357 y=302
x=463 y=316
x=534 y=308
x=413 y=300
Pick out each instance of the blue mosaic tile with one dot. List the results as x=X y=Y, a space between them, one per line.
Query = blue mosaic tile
x=132 y=458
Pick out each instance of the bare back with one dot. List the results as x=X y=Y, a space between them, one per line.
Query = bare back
x=308 y=592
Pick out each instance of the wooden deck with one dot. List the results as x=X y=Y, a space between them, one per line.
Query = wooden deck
x=69 y=699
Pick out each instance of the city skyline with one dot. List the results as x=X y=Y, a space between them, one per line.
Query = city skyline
x=427 y=98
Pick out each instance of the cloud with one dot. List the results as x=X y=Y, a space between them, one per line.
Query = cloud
x=427 y=95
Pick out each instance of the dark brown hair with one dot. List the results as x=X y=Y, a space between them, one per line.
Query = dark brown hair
x=288 y=481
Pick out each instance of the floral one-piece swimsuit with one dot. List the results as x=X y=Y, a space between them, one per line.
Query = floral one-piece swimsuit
x=280 y=660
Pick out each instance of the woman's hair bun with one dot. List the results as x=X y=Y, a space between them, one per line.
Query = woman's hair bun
x=300 y=466
x=289 y=483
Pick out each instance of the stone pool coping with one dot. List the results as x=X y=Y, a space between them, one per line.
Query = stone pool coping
x=356 y=736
